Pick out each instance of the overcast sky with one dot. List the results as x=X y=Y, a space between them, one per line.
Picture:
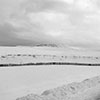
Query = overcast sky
x=69 y=22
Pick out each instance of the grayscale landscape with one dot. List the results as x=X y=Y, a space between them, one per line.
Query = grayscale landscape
x=49 y=49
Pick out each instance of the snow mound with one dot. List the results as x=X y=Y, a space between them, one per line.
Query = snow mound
x=88 y=89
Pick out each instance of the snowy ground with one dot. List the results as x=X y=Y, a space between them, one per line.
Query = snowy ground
x=20 y=81
x=23 y=55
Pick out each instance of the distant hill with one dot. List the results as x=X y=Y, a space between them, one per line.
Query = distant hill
x=47 y=45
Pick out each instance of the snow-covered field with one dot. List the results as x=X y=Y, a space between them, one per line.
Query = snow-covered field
x=23 y=55
x=17 y=82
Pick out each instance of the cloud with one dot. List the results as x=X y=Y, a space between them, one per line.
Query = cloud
x=72 y=22
x=8 y=38
x=11 y=36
